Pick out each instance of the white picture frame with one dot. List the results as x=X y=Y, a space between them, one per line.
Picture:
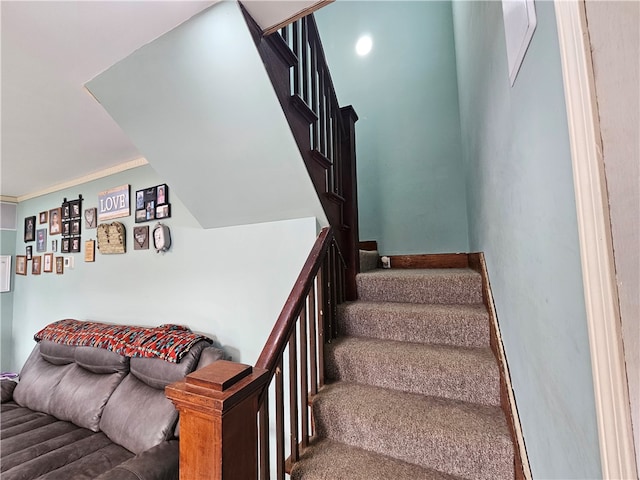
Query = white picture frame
x=519 y=24
x=5 y=273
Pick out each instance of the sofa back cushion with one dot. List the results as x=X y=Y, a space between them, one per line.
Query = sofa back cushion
x=70 y=383
x=138 y=415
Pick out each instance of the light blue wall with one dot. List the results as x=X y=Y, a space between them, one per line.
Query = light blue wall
x=522 y=215
x=410 y=176
x=230 y=283
x=7 y=247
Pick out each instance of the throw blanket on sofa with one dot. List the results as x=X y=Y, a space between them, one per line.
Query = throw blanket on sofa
x=169 y=342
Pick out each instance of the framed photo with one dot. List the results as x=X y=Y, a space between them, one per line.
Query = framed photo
x=162 y=194
x=66 y=245
x=74 y=208
x=59 y=265
x=21 y=265
x=44 y=217
x=163 y=211
x=29 y=229
x=29 y=252
x=141 y=238
x=54 y=245
x=66 y=210
x=66 y=228
x=41 y=243
x=141 y=215
x=75 y=244
x=55 y=221
x=75 y=226
x=48 y=262
x=91 y=218
x=36 y=265
x=90 y=251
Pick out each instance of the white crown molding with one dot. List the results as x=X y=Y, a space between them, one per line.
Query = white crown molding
x=8 y=199
x=138 y=162
x=596 y=250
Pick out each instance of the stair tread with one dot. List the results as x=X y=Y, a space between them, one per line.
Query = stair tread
x=421 y=285
x=462 y=373
x=451 y=324
x=329 y=460
x=429 y=431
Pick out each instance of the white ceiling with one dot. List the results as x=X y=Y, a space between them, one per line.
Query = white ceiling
x=53 y=130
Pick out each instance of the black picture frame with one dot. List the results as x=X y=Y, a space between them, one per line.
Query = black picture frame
x=141 y=215
x=75 y=244
x=75 y=208
x=66 y=245
x=163 y=211
x=66 y=228
x=76 y=226
x=66 y=210
x=30 y=228
x=29 y=252
x=162 y=194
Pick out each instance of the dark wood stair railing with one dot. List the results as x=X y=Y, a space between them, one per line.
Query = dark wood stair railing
x=225 y=407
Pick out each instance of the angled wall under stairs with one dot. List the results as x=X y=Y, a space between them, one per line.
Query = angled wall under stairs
x=413 y=387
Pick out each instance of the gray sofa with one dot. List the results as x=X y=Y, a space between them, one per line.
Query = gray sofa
x=89 y=413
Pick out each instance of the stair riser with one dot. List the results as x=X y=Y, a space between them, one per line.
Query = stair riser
x=462 y=329
x=465 y=381
x=437 y=290
x=430 y=449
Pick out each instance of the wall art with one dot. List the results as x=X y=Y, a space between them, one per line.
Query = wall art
x=48 y=262
x=55 y=221
x=141 y=238
x=21 y=265
x=43 y=218
x=114 y=203
x=29 y=252
x=35 y=265
x=30 y=229
x=111 y=238
x=75 y=244
x=5 y=273
x=41 y=237
x=59 y=265
x=66 y=245
x=152 y=203
x=91 y=218
x=54 y=245
x=90 y=251
x=71 y=225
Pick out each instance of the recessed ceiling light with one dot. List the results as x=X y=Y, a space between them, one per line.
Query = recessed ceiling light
x=363 y=45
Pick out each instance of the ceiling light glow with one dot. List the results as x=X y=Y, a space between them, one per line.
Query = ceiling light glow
x=364 y=44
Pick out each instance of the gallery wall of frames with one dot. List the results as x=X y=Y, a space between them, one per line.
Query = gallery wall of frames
x=82 y=228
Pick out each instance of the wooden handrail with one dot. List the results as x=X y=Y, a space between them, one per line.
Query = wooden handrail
x=277 y=341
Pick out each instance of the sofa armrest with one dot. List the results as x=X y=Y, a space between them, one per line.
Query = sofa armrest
x=7 y=389
x=158 y=463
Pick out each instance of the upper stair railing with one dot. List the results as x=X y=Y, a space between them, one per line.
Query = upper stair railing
x=324 y=131
x=228 y=428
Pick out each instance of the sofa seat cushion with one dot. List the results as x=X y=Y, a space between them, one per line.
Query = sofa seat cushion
x=36 y=445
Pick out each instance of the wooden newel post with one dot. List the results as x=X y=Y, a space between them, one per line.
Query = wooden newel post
x=218 y=405
x=350 y=192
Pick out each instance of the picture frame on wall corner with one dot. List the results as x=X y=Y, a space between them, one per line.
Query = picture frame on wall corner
x=30 y=229
x=21 y=264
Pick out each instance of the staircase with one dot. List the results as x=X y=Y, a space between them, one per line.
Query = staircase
x=413 y=388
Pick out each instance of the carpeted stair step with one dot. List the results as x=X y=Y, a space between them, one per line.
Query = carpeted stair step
x=459 y=373
x=327 y=460
x=435 y=285
x=457 y=438
x=368 y=260
x=461 y=325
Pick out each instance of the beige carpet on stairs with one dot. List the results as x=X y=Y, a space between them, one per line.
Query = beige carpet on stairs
x=413 y=389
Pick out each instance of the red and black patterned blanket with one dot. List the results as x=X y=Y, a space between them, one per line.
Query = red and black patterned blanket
x=169 y=342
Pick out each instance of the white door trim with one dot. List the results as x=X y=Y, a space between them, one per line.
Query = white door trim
x=596 y=251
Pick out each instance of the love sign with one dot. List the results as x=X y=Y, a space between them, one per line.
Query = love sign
x=114 y=203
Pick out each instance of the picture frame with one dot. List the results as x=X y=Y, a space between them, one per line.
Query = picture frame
x=48 y=262
x=75 y=244
x=54 y=245
x=41 y=243
x=43 y=217
x=36 y=265
x=66 y=228
x=55 y=221
x=59 y=265
x=21 y=265
x=163 y=211
x=91 y=218
x=29 y=229
x=66 y=210
x=29 y=252
x=5 y=273
x=75 y=226
x=66 y=245
x=90 y=251
x=141 y=238
x=162 y=194
x=114 y=203
x=74 y=208
x=141 y=215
